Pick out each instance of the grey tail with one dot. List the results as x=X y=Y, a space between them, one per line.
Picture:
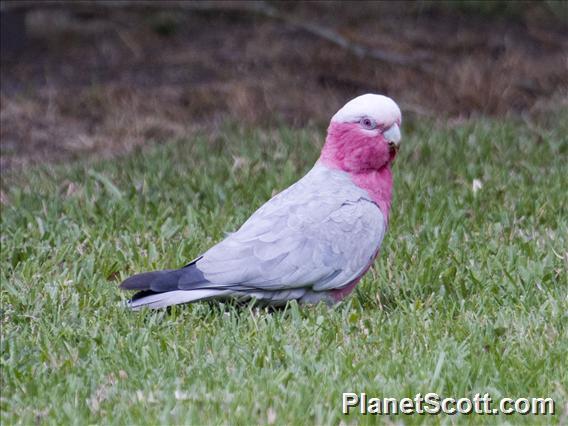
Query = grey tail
x=159 y=289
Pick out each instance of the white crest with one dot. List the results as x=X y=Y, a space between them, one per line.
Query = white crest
x=381 y=108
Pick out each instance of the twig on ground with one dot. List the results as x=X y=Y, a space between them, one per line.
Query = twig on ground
x=415 y=61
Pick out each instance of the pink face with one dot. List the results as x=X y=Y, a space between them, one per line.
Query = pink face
x=360 y=146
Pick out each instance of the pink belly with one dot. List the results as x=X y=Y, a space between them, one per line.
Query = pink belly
x=343 y=292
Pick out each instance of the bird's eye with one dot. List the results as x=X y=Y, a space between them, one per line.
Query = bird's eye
x=368 y=123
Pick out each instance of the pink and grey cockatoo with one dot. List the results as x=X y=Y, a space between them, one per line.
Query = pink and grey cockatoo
x=311 y=242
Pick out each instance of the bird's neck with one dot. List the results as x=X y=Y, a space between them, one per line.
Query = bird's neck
x=378 y=184
x=367 y=167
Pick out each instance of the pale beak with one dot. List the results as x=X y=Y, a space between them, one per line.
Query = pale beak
x=392 y=135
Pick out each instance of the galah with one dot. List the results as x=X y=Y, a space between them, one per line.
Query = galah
x=311 y=242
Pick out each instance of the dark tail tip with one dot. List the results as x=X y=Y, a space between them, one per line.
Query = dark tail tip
x=139 y=281
x=158 y=281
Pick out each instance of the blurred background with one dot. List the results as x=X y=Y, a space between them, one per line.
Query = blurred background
x=87 y=79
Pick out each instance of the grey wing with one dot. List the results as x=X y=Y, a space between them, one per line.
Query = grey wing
x=320 y=242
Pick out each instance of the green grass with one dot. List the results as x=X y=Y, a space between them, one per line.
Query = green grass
x=469 y=293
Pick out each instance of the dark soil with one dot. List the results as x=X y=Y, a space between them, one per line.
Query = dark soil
x=100 y=80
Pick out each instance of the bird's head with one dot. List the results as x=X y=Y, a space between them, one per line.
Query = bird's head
x=364 y=135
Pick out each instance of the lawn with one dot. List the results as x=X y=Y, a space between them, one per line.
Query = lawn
x=469 y=294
